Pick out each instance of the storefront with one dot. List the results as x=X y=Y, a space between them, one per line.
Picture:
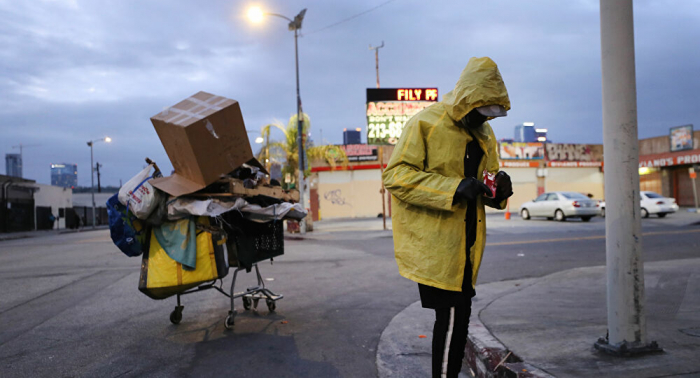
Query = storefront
x=666 y=164
x=354 y=191
x=669 y=174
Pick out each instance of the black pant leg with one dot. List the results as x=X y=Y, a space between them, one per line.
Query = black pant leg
x=452 y=323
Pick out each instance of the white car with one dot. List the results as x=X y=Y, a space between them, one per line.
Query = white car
x=652 y=203
x=559 y=206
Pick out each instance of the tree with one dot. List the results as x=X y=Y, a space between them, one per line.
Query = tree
x=287 y=149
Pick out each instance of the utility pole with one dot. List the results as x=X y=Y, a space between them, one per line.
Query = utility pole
x=382 y=191
x=376 y=58
x=627 y=334
x=97 y=168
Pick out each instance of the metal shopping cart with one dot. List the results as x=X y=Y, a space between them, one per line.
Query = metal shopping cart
x=247 y=243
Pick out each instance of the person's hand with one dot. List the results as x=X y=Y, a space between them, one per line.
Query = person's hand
x=470 y=189
x=504 y=187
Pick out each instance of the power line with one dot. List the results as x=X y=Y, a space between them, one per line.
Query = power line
x=349 y=18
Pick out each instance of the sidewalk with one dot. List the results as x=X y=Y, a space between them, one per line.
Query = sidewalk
x=551 y=323
x=42 y=233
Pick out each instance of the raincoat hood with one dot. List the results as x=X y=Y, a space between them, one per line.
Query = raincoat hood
x=480 y=84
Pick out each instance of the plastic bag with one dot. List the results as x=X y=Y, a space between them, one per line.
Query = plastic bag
x=144 y=199
x=127 y=232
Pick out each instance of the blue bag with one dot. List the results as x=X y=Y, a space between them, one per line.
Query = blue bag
x=128 y=232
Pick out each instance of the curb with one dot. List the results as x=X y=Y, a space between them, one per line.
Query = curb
x=487 y=357
x=35 y=234
x=484 y=354
x=404 y=348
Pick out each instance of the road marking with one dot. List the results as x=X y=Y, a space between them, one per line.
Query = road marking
x=586 y=238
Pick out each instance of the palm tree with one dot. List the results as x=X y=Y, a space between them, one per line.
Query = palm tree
x=287 y=150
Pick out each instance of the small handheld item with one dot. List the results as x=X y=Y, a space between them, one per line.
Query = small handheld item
x=490 y=181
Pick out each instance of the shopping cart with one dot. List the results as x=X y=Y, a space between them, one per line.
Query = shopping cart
x=248 y=243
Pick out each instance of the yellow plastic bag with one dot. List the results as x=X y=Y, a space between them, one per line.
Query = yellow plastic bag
x=162 y=277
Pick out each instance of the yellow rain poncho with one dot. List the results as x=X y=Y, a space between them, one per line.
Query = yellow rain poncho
x=424 y=171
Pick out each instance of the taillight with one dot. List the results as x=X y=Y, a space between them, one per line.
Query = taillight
x=577 y=204
x=659 y=202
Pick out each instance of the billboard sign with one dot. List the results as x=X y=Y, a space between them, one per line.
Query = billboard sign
x=574 y=152
x=518 y=150
x=360 y=152
x=388 y=109
x=681 y=138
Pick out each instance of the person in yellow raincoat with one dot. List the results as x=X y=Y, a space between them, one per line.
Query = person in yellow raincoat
x=435 y=176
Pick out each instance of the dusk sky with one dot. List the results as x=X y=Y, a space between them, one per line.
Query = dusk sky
x=73 y=71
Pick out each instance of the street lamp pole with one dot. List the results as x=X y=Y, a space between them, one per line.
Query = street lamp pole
x=255 y=14
x=300 y=128
x=92 y=185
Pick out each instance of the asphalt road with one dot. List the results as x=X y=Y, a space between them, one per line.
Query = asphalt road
x=69 y=304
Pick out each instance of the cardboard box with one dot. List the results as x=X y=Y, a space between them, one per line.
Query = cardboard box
x=205 y=138
x=232 y=187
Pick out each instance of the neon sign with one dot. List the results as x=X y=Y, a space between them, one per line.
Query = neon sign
x=388 y=109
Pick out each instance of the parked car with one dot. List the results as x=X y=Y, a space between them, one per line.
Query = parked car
x=652 y=203
x=559 y=206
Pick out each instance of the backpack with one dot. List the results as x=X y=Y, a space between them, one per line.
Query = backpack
x=128 y=233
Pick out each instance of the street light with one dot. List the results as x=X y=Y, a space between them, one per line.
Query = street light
x=255 y=14
x=92 y=175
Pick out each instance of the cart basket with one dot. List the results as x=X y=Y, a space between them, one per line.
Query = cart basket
x=250 y=242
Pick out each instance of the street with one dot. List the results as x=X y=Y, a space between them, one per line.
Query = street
x=70 y=304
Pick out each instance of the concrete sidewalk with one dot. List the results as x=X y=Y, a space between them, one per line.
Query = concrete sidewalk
x=547 y=326
x=43 y=233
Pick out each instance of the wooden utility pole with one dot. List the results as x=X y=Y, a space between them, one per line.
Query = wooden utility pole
x=381 y=148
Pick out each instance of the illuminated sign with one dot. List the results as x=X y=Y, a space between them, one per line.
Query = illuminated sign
x=388 y=109
x=360 y=152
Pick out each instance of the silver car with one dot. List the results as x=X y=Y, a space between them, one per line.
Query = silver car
x=559 y=206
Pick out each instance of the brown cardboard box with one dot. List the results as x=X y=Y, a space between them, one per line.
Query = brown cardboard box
x=205 y=138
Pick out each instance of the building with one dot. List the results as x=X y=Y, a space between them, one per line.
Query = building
x=26 y=205
x=541 y=135
x=13 y=165
x=352 y=136
x=534 y=168
x=525 y=133
x=666 y=169
x=352 y=191
x=64 y=175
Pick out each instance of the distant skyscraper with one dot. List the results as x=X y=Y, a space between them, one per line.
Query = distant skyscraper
x=65 y=175
x=13 y=165
x=352 y=136
x=525 y=133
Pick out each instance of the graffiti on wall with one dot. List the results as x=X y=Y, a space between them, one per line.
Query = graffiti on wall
x=336 y=197
x=574 y=152
x=517 y=150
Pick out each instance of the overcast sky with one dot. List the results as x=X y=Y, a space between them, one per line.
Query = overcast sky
x=72 y=71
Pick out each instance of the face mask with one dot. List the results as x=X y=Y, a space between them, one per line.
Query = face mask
x=472 y=120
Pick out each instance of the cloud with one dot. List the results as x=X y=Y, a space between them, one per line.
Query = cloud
x=73 y=71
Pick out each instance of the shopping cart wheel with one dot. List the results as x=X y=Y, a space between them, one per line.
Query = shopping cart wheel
x=176 y=315
x=255 y=303
x=270 y=305
x=246 y=303
x=229 y=322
